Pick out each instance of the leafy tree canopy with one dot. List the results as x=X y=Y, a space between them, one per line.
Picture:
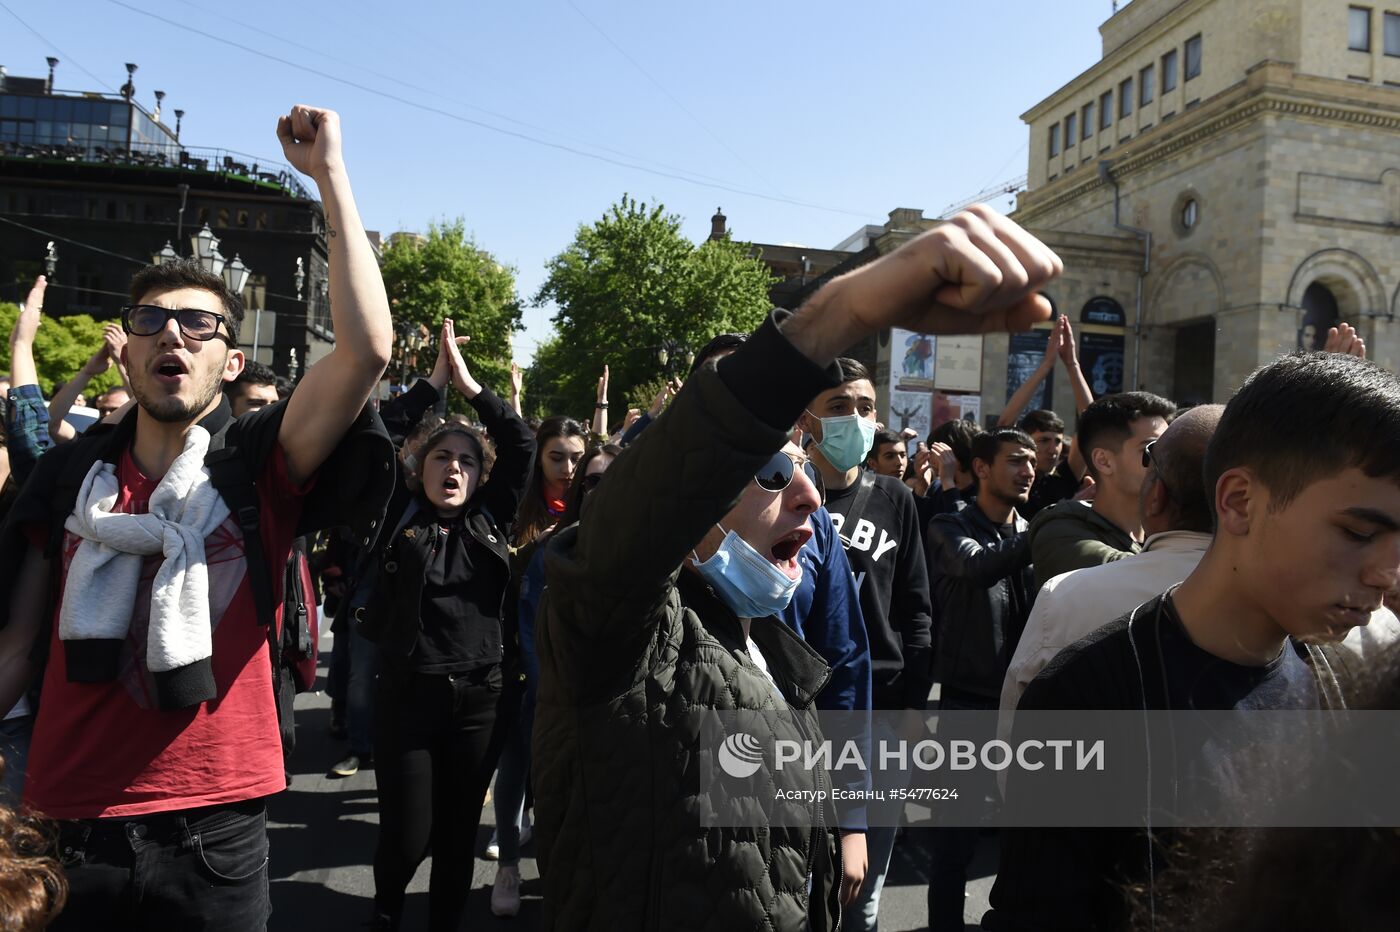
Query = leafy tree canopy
x=61 y=346
x=627 y=287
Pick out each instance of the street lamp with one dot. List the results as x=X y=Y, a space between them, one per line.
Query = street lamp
x=206 y=250
x=300 y=277
x=236 y=275
x=166 y=255
x=50 y=259
x=669 y=356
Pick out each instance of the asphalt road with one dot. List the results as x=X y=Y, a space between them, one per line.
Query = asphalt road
x=323 y=832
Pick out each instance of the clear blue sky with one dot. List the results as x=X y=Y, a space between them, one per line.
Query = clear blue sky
x=854 y=108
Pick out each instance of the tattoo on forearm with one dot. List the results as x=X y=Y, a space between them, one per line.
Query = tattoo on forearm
x=330 y=231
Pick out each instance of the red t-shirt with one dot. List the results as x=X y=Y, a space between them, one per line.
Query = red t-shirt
x=106 y=749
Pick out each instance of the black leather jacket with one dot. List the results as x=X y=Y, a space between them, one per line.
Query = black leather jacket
x=391 y=617
x=975 y=578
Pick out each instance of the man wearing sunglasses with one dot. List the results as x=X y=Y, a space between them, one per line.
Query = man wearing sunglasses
x=1174 y=511
x=661 y=604
x=157 y=739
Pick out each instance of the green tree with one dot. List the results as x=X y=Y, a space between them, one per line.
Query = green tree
x=627 y=286
x=61 y=346
x=446 y=274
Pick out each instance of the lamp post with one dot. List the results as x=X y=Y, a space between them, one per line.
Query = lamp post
x=166 y=255
x=672 y=354
x=50 y=259
x=206 y=250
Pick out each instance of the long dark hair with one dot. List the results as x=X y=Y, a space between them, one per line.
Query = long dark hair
x=573 y=505
x=534 y=518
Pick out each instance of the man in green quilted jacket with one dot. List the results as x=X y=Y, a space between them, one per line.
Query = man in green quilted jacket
x=660 y=603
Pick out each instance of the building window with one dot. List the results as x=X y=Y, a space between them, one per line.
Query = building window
x=243 y=218
x=1193 y=57
x=1071 y=128
x=1190 y=213
x=223 y=217
x=1054 y=140
x=1145 y=85
x=1392 y=34
x=1106 y=110
x=1359 y=28
x=1086 y=117
x=1125 y=99
x=1169 y=71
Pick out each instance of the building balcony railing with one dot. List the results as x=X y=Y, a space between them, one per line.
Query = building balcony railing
x=223 y=162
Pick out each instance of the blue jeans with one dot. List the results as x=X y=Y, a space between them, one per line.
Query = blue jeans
x=511 y=774
x=189 y=869
x=14 y=746
x=951 y=849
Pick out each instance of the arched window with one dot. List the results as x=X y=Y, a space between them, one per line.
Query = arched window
x=1319 y=313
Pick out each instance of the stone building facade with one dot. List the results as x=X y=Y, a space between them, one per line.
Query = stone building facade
x=1241 y=194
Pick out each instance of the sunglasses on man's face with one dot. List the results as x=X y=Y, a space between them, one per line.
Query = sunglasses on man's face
x=144 y=320
x=777 y=473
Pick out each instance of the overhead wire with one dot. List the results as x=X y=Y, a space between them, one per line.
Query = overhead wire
x=66 y=57
x=359 y=65
x=480 y=123
x=672 y=97
x=48 y=234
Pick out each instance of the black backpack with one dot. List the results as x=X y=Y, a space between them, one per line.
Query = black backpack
x=292 y=647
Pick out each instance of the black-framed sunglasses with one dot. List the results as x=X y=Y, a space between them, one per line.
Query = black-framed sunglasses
x=1150 y=462
x=144 y=320
x=777 y=473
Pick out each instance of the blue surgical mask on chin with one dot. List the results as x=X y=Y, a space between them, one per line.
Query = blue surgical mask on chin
x=846 y=440
x=750 y=585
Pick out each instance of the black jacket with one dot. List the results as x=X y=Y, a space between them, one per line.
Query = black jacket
x=634 y=649
x=391 y=617
x=982 y=588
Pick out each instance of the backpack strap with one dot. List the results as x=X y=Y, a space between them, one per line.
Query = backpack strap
x=230 y=475
x=866 y=483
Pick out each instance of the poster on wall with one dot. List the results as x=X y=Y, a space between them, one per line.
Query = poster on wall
x=1101 y=360
x=958 y=364
x=910 y=409
x=1024 y=355
x=955 y=407
x=911 y=381
x=911 y=360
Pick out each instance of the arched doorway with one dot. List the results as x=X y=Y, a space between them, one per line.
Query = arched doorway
x=1320 y=311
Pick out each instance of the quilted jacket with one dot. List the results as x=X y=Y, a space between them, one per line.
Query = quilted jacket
x=633 y=649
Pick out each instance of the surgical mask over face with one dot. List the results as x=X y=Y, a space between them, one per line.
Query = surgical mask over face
x=745 y=581
x=846 y=440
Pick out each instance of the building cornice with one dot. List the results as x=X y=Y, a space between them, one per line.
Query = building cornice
x=1240 y=105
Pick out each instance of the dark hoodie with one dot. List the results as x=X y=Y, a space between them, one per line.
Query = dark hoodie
x=1072 y=535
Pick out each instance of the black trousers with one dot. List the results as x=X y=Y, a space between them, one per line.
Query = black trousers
x=435 y=750
x=198 y=869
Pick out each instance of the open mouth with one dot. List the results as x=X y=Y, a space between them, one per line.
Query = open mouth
x=783 y=553
x=451 y=485
x=170 y=369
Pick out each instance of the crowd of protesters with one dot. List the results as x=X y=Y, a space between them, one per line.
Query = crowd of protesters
x=542 y=604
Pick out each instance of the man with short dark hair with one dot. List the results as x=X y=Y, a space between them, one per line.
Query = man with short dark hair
x=942 y=479
x=1306 y=545
x=1054 y=479
x=255 y=387
x=157 y=739
x=983 y=587
x=880 y=531
x=888 y=455
x=1113 y=433
x=1174 y=510
x=660 y=605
